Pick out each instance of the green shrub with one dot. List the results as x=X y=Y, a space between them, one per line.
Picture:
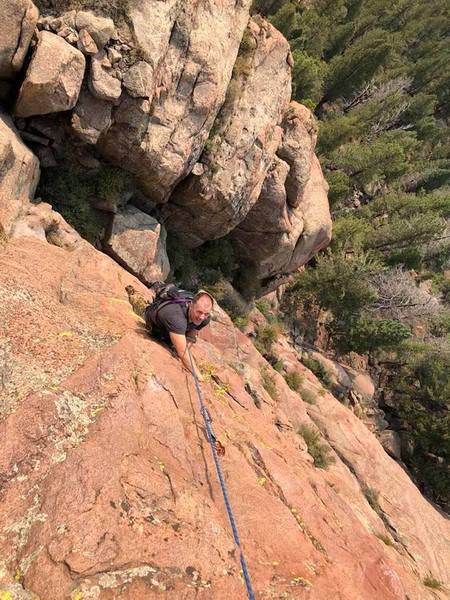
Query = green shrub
x=265 y=309
x=371 y=496
x=422 y=389
x=294 y=380
x=339 y=183
x=384 y=538
x=183 y=269
x=308 y=396
x=367 y=335
x=318 y=369
x=241 y=322
x=268 y=381
x=248 y=43
x=276 y=363
x=320 y=453
x=266 y=336
x=432 y=582
x=112 y=183
x=217 y=255
x=229 y=299
x=70 y=193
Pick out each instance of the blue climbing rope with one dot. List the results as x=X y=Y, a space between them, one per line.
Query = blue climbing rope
x=212 y=438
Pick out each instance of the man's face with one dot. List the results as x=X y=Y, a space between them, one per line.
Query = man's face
x=200 y=310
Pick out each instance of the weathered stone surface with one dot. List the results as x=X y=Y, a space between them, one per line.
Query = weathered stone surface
x=42 y=222
x=291 y=219
x=17 y=23
x=278 y=238
x=56 y=23
x=192 y=67
x=91 y=117
x=297 y=150
x=362 y=383
x=107 y=479
x=247 y=135
x=102 y=83
x=86 y=43
x=315 y=212
x=339 y=378
x=101 y=29
x=19 y=174
x=391 y=442
x=139 y=80
x=53 y=79
x=139 y=241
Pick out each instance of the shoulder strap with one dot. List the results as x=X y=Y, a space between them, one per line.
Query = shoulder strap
x=161 y=304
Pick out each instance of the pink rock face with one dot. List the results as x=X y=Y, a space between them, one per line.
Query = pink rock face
x=19 y=175
x=53 y=79
x=17 y=23
x=247 y=135
x=189 y=70
x=108 y=488
x=290 y=221
x=139 y=241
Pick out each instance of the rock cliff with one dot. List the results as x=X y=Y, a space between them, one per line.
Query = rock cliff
x=190 y=98
x=108 y=489
x=107 y=486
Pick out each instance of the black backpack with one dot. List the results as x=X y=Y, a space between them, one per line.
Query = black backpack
x=166 y=293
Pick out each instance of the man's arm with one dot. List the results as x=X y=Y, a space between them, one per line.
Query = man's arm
x=180 y=345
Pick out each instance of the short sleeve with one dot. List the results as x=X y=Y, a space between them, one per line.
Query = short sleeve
x=172 y=319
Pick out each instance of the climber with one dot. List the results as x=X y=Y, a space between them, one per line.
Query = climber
x=176 y=322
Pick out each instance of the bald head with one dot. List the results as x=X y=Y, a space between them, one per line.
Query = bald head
x=201 y=307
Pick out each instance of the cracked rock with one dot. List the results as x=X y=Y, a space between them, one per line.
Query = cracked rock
x=17 y=23
x=139 y=80
x=91 y=117
x=53 y=79
x=101 y=83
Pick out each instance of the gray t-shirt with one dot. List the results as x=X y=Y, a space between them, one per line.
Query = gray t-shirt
x=174 y=318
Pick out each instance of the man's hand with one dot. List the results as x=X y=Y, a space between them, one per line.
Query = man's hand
x=180 y=345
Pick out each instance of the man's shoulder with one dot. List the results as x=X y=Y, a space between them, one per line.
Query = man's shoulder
x=171 y=308
x=173 y=317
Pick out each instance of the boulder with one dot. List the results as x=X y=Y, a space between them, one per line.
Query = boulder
x=139 y=80
x=279 y=236
x=102 y=84
x=391 y=442
x=53 y=79
x=42 y=222
x=247 y=135
x=19 y=174
x=340 y=381
x=138 y=241
x=91 y=117
x=101 y=29
x=297 y=150
x=86 y=43
x=362 y=383
x=315 y=212
x=192 y=66
x=17 y=23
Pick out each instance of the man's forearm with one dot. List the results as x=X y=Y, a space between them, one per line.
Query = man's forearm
x=180 y=346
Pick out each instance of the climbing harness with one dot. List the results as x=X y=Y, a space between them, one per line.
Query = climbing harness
x=217 y=448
